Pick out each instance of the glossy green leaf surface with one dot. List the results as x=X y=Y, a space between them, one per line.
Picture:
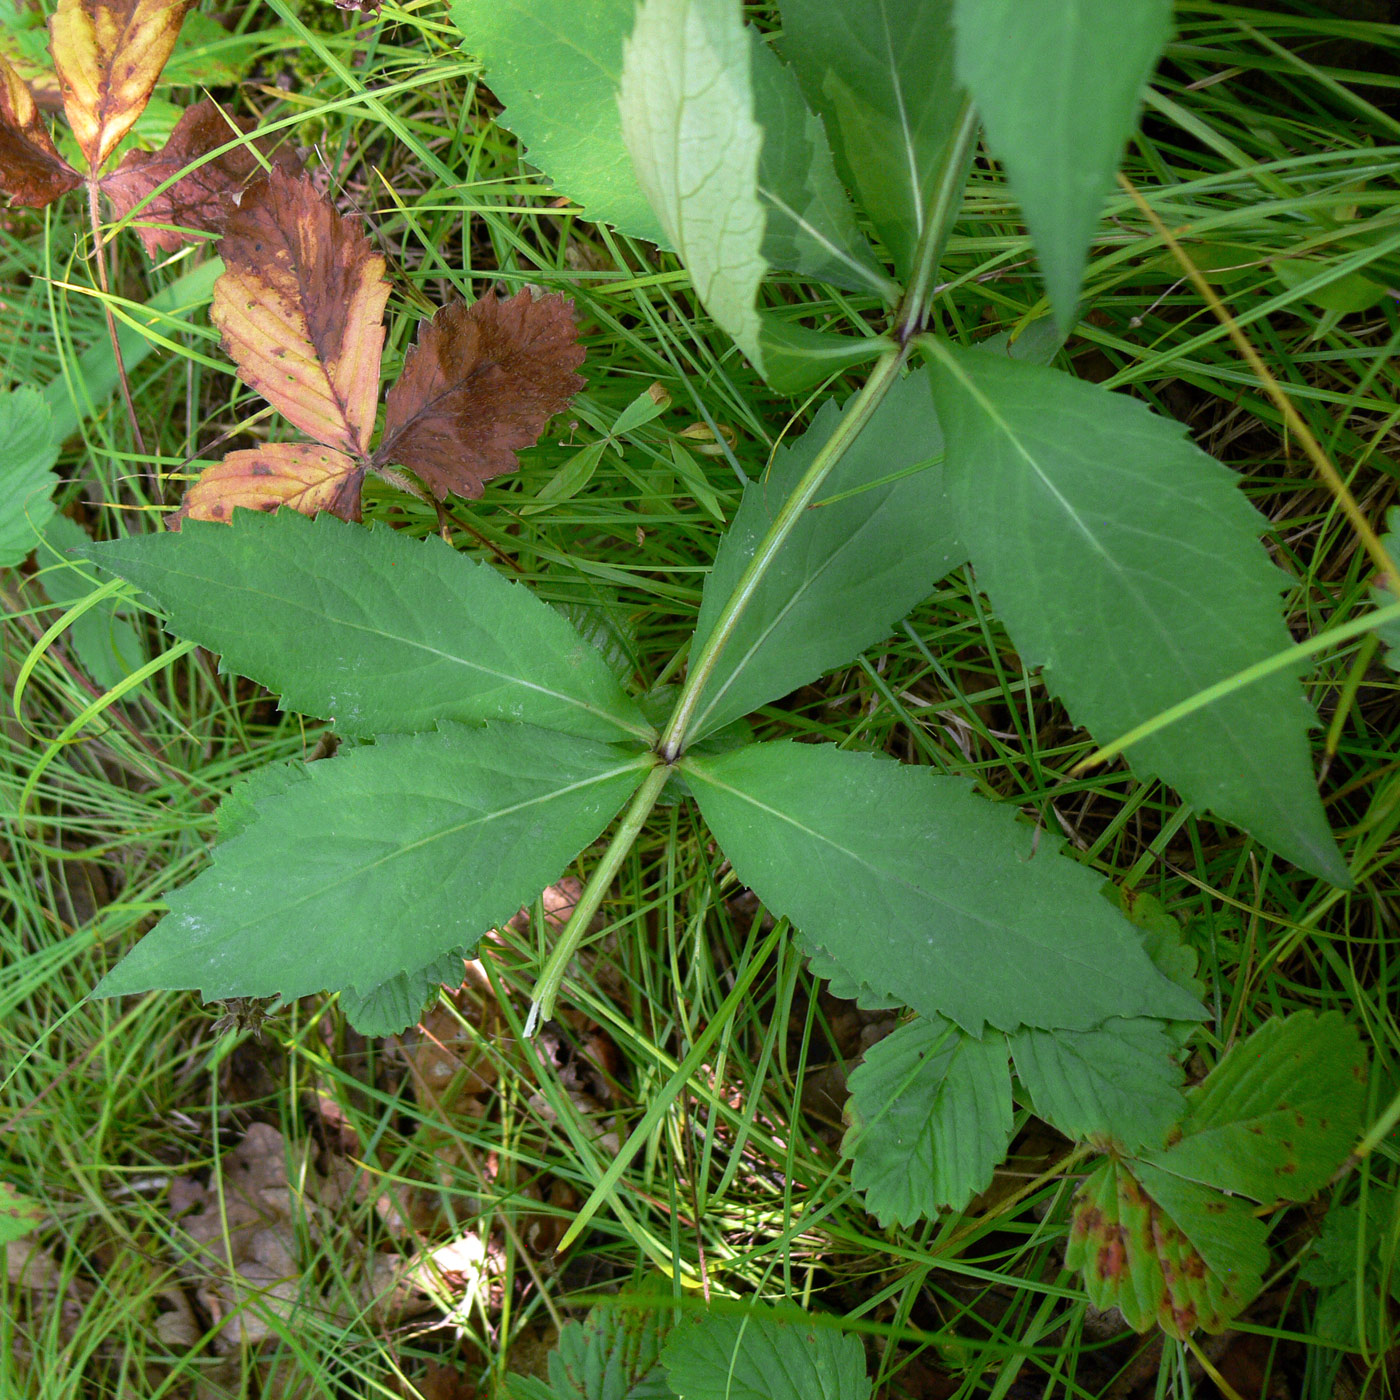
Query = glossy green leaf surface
x=757 y=1357
x=382 y=860
x=1163 y=1250
x=810 y=227
x=1057 y=83
x=556 y=66
x=850 y=569
x=377 y=631
x=28 y=448
x=1277 y=1116
x=918 y=887
x=1126 y=564
x=1117 y=1081
x=880 y=74
x=688 y=122
x=930 y=1119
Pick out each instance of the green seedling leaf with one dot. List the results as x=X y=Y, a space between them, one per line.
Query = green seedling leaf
x=880 y=74
x=797 y=357
x=1386 y=593
x=756 y=1357
x=1127 y=565
x=18 y=1214
x=1163 y=1250
x=382 y=860
x=1277 y=1116
x=374 y=630
x=920 y=888
x=850 y=569
x=689 y=125
x=614 y=1355
x=387 y=1008
x=930 y=1119
x=105 y=643
x=28 y=449
x=557 y=67
x=1058 y=88
x=1344 y=296
x=569 y=480
x=811 y=227
x=1117 y=1083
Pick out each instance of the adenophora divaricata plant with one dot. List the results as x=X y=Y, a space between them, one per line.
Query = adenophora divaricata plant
x=1124 y=562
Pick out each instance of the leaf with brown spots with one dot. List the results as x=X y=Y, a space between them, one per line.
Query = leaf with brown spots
x=304 y=475
x=202 y=198
x=300 y=305
x=480 y=384
x=108 y=55
x=32 y=172
x=1277 y=1116
x=1164 y=1250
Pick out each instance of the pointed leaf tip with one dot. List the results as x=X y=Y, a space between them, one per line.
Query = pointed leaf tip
x=32 y=172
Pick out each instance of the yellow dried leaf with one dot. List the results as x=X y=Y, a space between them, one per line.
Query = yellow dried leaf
x=108 y=55
x=300 y=305
x=303 y=475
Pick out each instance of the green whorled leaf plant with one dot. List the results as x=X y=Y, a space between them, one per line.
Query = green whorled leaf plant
x=493 y=743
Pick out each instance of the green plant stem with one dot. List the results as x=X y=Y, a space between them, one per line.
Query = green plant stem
x=864 y=404
x=547 y=988
x=912 y=316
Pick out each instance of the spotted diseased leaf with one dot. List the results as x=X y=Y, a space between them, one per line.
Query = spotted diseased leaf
x=32 y=172
x=205 y=196
x=303 y=475
x=1163 y=1250
x=300 y=306
x=479 y=385
x=108 y=55
x=18 y=1214
x=1277 y=1116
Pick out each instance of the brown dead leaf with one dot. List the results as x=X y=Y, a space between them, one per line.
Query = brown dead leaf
x=32 y=172
x=300 y=306
x=108 y=55
x=480 y=384
x=304 y=475
x=204 y=197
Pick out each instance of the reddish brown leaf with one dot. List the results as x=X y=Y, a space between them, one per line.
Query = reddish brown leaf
x=32 y=172
x=205 y=197
x=480 y=384
x=108 y=55
x=300 y=305
x=303 y=475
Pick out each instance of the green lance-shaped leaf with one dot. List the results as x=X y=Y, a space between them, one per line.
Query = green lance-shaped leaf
x=379 y=632
x=931 y=1118
x=880 y=73
x=757 y=1357
x=615 y=1354
x=382 y=860
x=1117 y=1082
x=918 y=887
x=849 y=570
x=556 y=65
x=1058 y=86
x=688 y=123
x=1277 y=1116
x=1126 y=563
x=28 y=448
x=1163 y=1250
x=810 y=226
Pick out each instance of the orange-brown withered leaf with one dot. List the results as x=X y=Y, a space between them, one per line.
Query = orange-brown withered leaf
x=480 y=384
x=108 y=55
x=303 y=475
x=31 y=170
x=204 y=197
x=300 y=306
